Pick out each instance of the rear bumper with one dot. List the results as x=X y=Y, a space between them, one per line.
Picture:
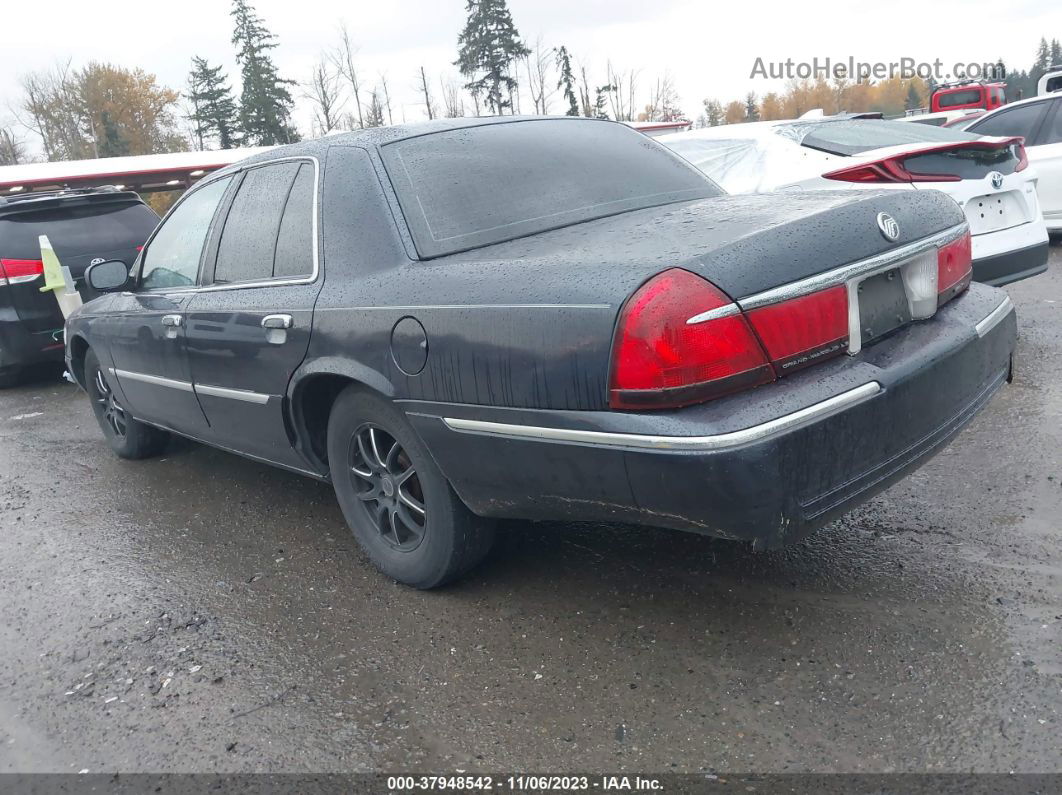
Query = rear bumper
x=21 y=348
x=768 y=466
x=1011 y=266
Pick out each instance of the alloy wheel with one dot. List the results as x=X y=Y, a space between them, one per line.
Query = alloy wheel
x=387 y=483
x=112 y=411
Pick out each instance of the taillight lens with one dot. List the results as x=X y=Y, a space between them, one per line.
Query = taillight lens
x=661 y=360
x=887 y=170
x=1023 y=157
x=804 y=330
x=954 y=268
x=19 y=271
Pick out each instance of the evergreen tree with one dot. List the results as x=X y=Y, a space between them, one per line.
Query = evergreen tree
x=752 y=108
x=1043 y=61
x=913 y=99
x=265 y=102
x=600 y=99
x=374 y=111
x=1056 y=53
x=487 y=48
x=713 y=112
x=214 y=112
x=566 y=81
x=109 y=140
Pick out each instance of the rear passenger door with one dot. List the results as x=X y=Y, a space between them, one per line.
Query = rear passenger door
x=1046 y=156
x=249 y=323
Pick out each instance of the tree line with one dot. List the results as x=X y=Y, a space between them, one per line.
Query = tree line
x=103 y=110
x=890 y=97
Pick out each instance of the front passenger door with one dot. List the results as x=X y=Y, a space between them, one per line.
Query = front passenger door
x=1046 y=156
x=146 y=329
x=249 y=325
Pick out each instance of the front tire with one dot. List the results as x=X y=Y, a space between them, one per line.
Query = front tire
x=397 y=502
x=127 y=437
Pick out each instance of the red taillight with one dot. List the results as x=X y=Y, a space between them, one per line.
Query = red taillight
x=890 y=169
x=660 y=360
x=954 y=268
x=19 y=271
x=804 y=330
x=1023 y=158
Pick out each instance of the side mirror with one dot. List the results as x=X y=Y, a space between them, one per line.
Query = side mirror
x=105 y=277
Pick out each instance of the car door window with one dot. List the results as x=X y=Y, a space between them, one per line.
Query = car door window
x=1052 y=133
x=172 y=257
x=249 y=240
x=1015 y=121
x=294 y=255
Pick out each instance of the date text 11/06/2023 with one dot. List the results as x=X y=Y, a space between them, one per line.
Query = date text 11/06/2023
x=523 y=783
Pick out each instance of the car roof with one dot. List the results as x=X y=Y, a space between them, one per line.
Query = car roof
x=380 y=136
x=50 y=200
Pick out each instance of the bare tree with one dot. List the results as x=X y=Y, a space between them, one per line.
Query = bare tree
x=539 y=61
x=663 y=101
x=386 y=97
x=51 y=109
x=12 y=150
x=621 y=97
x=343 y=59
x=323 y=92
x=429 y=103
x=585 y=102
x=453 y=100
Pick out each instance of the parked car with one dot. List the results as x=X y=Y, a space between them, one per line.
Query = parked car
x=544 y=318
x=962 y=122
x=83 y=226
x=988 y=178
x=1039 y=122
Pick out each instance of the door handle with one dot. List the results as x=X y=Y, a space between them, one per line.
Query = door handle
x=277 y=321
x=172 y=320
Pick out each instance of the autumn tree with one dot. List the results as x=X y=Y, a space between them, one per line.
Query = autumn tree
x=735 y=112
x=566 y=80
x=770 y=107
x=214 y=113
x=265 y=101
x=488 y=46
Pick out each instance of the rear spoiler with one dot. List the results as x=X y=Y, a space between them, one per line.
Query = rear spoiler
x=30 y=203
x=892 y=169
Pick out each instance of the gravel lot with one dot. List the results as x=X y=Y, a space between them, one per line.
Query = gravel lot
x=201 y=612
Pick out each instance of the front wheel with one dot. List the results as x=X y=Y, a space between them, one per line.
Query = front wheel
x=401 y=508
x=128 y=437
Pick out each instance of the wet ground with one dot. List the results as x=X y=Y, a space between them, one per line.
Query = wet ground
x=200 y=612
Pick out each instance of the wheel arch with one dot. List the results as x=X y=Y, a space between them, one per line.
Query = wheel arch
x=313 y=392
x=79 y=348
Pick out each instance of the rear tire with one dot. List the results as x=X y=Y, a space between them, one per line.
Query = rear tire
x=127 y=437
x=402 y=510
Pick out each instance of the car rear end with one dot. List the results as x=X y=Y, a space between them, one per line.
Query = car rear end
x=988 y=177
x=82 y=228
x=749 y=397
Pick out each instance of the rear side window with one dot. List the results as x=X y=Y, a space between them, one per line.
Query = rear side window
x=855 y=136
x=249 y=240
x=172 y=258
x=268 y=230
x=1021 y=120
x=953 y=100
x=95 y=229
x=294 y=255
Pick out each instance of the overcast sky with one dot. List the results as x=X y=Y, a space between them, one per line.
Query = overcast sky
x=708 y=48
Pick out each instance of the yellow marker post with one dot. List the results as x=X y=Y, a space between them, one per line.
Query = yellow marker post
x=57 y=279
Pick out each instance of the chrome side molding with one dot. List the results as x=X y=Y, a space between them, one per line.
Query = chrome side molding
x=720 y=441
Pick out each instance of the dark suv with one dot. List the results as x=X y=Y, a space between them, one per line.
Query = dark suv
x=83 y=227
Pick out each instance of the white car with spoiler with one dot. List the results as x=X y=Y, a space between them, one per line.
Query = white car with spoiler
x=990 y=178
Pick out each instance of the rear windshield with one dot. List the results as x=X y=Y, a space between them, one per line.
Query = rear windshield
x=76 y=230
x=855 y=136
x=968 y=97
x=477 y=186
